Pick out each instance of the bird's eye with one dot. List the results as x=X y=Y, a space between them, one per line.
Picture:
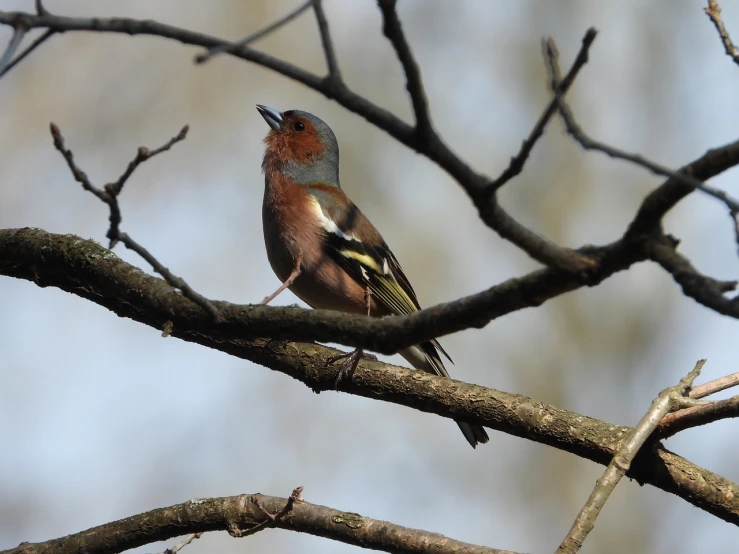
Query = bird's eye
x=298 y=126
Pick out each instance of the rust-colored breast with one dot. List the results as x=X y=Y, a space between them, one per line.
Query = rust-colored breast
x=290 y=145
x=291 y=229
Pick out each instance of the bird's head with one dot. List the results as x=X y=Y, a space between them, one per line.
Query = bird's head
x=300 y=146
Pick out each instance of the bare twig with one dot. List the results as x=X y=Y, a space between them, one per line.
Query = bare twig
x=428 y=142
x=332 y=63
x=109 y=194
x=562 y=86
x=704 y=289
x=574 y=129
x=142 y=155
x=40 y=9
x=693 y=416
x=18 y=33
x=30 y=48
x=717 y=385
x=713 y=11
x=668 y=400
x=230 y=48
x=393 y=30
x=187 y=540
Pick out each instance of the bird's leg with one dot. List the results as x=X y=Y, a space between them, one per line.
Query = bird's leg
x=352 y=358
x=289 y=281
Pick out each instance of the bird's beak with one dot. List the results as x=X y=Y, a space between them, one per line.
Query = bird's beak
x=271 y=116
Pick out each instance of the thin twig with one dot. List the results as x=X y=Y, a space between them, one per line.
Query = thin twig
x=332 y=62
x=30 y=48
x=668 y=400
x=519 y=160
x=40 y=9
x=109 y=194
x=588 y=143
x=393 y=30
x=717 y=385
x=142 y=155
x=713 y=11
x=79 y=175
x=173 y=280
x=706 y=290
x=229 y=48
x=693 y=416
x=187 y=540
x=270 y=520
x=18 y=33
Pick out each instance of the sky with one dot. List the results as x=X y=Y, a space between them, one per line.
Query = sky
x=102 y=418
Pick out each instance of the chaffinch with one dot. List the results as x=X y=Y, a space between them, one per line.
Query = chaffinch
x=322 y=247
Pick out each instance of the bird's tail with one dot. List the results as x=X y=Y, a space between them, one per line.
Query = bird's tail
x=426 y=358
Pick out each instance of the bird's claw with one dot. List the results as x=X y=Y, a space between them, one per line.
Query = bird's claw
x=349 y=365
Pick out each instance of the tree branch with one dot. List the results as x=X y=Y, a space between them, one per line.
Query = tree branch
x=668 y=400
x=713 y=11
x=15 y=41
x=705 y=290
x=393 y=30
x=30 y=48
x=695 y=416
x=90 y=271
x=238 y=515
x=519 y=160
x=714 y=386
x=230 y=48
x=588 y=143
x=62 y=261
x=109 y=195
x=475 y=184
x=332 y=63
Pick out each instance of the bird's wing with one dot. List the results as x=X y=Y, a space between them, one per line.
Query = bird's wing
x=355 y=244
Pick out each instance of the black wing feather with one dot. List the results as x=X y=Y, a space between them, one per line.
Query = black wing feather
x=376 y=267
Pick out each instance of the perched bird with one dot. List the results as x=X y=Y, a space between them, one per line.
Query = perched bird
x=322 y=247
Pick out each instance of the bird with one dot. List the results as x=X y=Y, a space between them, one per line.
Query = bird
x=323 y=248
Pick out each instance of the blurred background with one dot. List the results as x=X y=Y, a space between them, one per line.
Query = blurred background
x=102 y=418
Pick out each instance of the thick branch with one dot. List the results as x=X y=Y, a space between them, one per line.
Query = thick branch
x=237 y=515
x=63 y=261
x=88 y=270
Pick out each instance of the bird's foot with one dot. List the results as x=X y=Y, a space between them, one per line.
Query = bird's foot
x=351 y=359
